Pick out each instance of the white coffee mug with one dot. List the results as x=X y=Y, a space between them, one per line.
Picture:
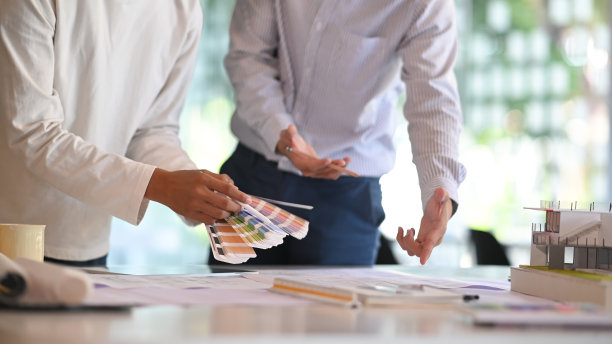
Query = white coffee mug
x=21 y=240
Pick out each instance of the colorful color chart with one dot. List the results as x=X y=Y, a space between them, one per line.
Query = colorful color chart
x=258 y=225
x=227 y=245
x=287 y=222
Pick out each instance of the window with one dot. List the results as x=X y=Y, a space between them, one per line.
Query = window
x=534 y=81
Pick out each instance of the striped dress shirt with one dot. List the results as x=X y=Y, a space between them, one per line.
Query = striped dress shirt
x=337 y=69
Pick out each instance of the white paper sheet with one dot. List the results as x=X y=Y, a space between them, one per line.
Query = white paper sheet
x=190 y=297
x=235 y=281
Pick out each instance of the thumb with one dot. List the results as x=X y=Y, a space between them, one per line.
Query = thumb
x=292 y=130
x=440 y=195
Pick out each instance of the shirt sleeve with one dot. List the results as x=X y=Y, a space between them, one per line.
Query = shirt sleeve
x=156 y=142
x=432 y=108
x=253 y=68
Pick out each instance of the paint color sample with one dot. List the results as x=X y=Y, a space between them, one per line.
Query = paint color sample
x=291 y=224
x=258 y=225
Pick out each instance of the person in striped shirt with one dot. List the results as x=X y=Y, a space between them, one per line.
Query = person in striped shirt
x=317 y=86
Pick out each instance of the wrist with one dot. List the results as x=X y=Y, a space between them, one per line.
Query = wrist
x=455 y=206
x=155 y=189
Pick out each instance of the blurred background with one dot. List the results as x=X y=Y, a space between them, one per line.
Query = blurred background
x=534 y=80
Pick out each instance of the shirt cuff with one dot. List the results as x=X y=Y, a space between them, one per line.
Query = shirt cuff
x=138 y=195
x=449 y=185
x=271 y=130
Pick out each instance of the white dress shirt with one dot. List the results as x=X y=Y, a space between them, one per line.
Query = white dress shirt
x=336 y=69
x=90 y=96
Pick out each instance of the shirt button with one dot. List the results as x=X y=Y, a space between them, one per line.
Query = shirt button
x=319 y=26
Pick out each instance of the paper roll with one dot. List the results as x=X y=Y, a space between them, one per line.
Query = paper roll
x=51 y=284
x=12 y=281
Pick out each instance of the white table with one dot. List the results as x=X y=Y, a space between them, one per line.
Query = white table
x=318 y=323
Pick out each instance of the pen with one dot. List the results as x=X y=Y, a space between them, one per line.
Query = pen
x=410 y=289
x=470 y=297
x=288 y=204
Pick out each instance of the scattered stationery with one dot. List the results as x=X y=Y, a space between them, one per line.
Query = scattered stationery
x=368 y=294
x=184 y=290
x=526 y=314
x=259 y=224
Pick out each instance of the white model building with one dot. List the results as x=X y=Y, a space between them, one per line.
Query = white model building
x=586 y=228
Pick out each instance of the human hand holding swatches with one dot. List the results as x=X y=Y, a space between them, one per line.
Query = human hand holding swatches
x=198 y=195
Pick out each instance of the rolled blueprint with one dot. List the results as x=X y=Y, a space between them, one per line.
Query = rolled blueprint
x=12 y=281
x=42 y=284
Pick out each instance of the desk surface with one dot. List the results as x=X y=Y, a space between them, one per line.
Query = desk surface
x=278 y=324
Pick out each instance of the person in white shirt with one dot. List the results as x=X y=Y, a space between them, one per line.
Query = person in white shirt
x=90 y=97
x=317 y=83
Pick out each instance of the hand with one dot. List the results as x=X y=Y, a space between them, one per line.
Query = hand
x=438 y=211
x=304 y=157
x=196 y=194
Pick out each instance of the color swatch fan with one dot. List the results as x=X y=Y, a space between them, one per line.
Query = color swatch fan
x=258 y=225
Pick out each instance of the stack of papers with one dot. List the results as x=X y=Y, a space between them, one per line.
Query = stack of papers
x=258 y=225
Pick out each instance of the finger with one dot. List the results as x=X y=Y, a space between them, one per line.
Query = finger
x=400 y=238
x=441 y=196
x=213 y=211
x=224 y=177
x=235 y=194
x=427 y=248
x=407 y=242
x=289 y=136
x=221 y=177
x=220 y=199
x=327 y=173
x=201 y=217
x=413 y=247
x=227 y=189
x=225 y=203
x=203 y=214
x=312 y=165
x=339 y=162
x=291 y=130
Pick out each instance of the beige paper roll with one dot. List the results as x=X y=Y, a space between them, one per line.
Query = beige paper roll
x=21 y=240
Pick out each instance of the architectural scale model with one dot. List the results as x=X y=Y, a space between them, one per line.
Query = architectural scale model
x=571 y=254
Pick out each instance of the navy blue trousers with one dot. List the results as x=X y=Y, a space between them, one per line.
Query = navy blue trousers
x=344 y=223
